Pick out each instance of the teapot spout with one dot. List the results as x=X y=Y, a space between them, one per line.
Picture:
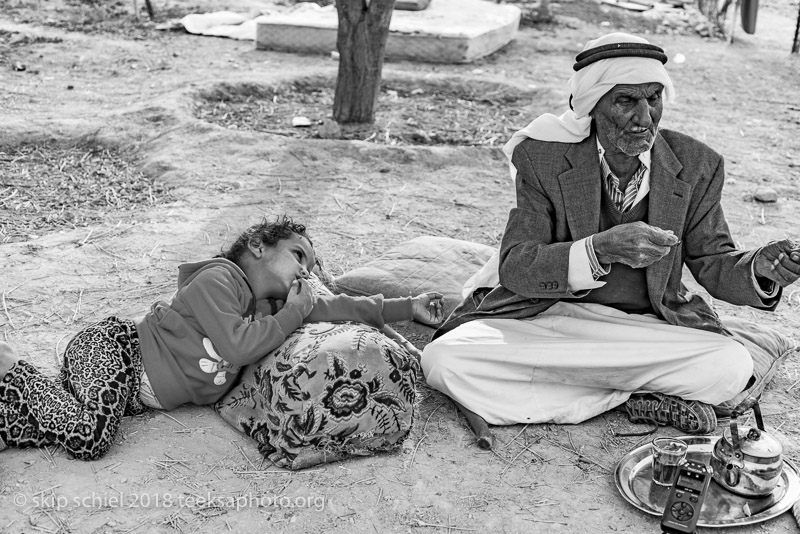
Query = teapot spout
x=732 y=475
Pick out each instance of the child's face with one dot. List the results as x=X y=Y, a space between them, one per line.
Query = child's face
x=283 y=263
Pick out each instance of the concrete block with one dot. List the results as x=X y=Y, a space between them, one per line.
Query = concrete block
x=411 y=5
x=449 y=31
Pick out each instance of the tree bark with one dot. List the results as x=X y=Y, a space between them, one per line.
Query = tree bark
x=716 y=12
x=796 y=43
x=361 y=42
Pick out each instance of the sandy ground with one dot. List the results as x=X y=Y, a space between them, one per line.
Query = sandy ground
x=187 y=471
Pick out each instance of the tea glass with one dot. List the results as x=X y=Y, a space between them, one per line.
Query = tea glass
x=668 y=453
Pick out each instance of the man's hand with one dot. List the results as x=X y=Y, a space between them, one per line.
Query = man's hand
x=779 y=261
x=427 y=308
x=300 y=297
x=635 y=244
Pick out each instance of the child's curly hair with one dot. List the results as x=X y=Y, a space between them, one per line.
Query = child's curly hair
x=266 y=232
x=270 y=233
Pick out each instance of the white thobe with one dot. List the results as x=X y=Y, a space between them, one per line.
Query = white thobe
x=577 y=360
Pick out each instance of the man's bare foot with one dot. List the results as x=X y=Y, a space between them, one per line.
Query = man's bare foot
x=7 y=359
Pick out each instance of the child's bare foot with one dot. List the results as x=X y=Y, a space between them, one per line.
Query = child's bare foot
x=7 y=359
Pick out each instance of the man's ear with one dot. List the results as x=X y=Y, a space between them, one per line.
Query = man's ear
x=257 y=249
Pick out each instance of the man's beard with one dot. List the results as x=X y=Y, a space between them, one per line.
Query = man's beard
x=635 y=147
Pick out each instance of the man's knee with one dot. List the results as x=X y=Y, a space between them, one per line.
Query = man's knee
x=738 y=363
x=727 y=369
x=437 y=359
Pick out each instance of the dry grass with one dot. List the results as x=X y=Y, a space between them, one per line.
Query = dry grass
x=45 y=186
x=410 y=112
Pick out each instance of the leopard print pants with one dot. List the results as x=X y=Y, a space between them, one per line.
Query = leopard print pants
x=82 y=411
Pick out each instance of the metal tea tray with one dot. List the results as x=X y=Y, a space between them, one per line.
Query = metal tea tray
x=634 y=479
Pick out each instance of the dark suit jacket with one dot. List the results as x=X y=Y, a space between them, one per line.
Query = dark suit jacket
x=558 y=202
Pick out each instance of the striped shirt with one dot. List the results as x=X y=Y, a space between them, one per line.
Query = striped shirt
x=623 y=200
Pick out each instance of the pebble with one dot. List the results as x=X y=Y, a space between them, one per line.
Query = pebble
x=20 y=38
x=766 y=194
x=330 y=129
x=421 y=137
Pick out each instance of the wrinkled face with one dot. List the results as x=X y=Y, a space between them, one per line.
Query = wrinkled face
x=627 y=118
x=284 y=262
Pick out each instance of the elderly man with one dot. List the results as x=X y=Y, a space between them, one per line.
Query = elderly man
x=585 y=309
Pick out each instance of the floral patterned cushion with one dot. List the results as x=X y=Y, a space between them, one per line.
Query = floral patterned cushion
x=331 y=391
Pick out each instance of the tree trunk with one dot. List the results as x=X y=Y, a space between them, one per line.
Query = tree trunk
x=796 y=43
x=361 y=42
x=716 y=12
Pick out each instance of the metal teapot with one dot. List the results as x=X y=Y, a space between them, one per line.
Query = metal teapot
x=747 y=461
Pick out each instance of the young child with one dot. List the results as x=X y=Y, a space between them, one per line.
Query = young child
x=189 y=350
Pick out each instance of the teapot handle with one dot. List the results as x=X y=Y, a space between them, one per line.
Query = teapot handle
x=735 y=431
x=735 y=427
x=759 y=418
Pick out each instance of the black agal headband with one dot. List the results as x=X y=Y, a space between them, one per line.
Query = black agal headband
x=587 y=57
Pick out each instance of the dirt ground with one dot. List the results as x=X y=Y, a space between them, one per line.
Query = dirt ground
x=126 y=87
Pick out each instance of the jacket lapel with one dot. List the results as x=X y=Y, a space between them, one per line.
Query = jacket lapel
x=580 y=187
x=668 y=203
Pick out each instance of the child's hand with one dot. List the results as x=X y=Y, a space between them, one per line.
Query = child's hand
x=301 y=297
x=403 y=342
x=411 y=349
x=427 y=308
x=266 y=307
